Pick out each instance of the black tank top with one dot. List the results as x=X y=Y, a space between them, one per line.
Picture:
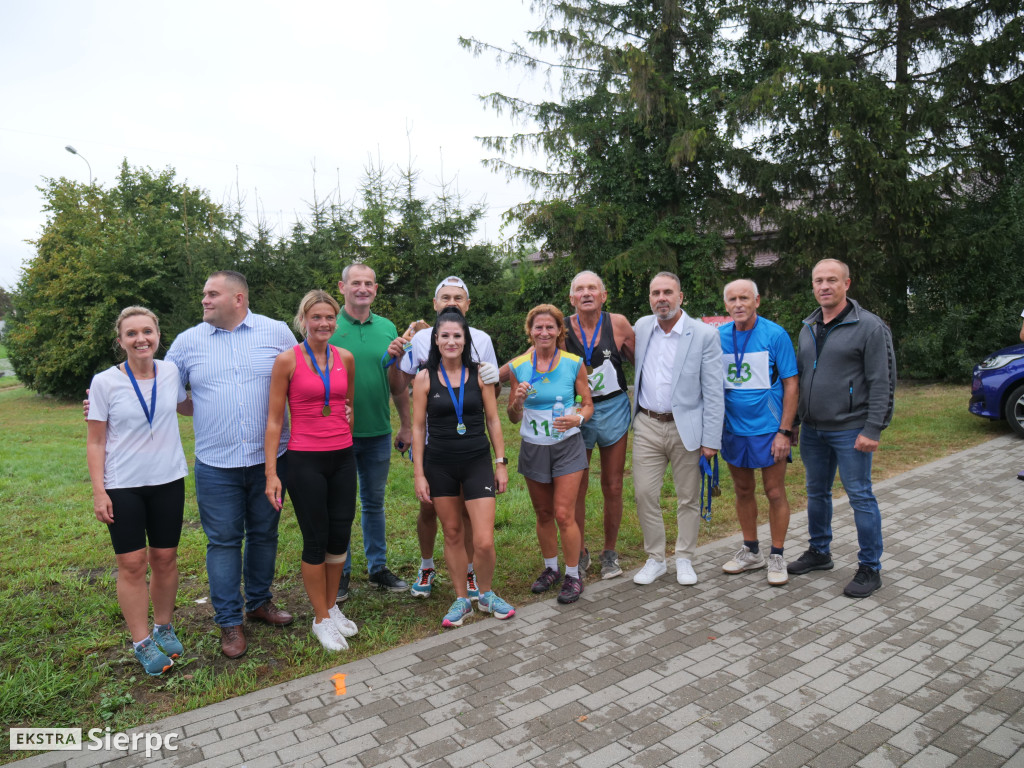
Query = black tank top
x=444 y=444
x=604 y=349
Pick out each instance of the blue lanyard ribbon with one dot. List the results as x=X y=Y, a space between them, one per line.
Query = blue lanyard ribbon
x=708 y=479
x=588 y=349
x=461 y=427
x=325 y=375
x=737 y=353
x=535 y=374
x=151 y=411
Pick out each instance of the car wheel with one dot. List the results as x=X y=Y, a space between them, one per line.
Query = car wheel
x=1014 y=410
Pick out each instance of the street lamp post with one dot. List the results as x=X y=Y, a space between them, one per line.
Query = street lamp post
x=74 y=151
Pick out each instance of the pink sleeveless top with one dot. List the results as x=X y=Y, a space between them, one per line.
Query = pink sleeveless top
x=310 y=429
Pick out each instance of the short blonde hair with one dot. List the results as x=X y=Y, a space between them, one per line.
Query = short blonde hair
x=308 y=301
x=554 y=312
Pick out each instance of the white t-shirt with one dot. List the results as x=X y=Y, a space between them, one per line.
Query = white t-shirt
x=482 y=350
x=134 y=456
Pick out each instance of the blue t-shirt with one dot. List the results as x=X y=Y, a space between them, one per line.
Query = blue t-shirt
x=559 y=381
x=753 y=397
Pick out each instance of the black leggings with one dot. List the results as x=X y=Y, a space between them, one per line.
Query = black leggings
x=152 y=512
x=322 y=486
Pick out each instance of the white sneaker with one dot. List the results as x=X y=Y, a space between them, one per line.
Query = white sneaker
x=685 y=574
x=329 y=635
x=744 y=560
x=778 y=574
x=346 y=626
x=652 y=569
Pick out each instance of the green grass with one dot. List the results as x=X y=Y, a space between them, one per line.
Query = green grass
x=64 y=658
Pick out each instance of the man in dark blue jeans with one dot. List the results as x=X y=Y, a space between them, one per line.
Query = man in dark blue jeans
x=367 y=335
x=847 y=385
x=227 y=360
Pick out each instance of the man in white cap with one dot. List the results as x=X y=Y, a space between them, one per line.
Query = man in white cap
x=450 y=292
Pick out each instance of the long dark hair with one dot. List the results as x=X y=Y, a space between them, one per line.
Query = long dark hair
x=450 y=315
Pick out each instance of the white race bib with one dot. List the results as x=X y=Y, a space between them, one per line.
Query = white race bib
x=756 y=373
x=603 y=380
x=537 y=427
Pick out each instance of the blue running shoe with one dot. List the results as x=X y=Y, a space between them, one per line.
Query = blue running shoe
x=460 y=609
x=491 y=603
x=471 y=589
x=152 y=659
x=424 y=582
x=168 y=641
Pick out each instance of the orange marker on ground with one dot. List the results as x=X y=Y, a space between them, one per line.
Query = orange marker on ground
x=339 y=684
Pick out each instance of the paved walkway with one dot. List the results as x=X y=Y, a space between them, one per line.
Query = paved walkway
x=731 y=673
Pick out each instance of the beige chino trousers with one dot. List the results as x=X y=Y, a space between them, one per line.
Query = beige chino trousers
x=656 y=444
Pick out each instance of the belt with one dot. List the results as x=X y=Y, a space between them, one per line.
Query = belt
x=655 y=415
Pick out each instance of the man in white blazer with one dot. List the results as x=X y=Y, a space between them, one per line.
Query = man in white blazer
x=678 y=415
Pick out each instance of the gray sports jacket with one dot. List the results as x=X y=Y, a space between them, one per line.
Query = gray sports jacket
x=850 y=382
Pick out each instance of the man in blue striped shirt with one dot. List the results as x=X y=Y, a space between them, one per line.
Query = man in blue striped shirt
x=227 y=360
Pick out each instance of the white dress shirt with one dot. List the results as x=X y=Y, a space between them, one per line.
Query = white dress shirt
x=656 y=375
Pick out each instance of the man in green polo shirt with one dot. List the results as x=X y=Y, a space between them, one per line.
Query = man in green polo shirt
x=367 y=336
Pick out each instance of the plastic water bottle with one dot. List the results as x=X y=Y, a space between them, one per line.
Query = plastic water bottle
x=577 y=406
x=557 y=412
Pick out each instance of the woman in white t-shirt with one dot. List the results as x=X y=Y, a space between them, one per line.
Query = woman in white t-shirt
x=137 y=467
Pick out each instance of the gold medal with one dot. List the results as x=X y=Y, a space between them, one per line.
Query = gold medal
x=326 y=411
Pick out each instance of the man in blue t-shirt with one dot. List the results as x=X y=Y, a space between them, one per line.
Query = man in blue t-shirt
x=760 y=407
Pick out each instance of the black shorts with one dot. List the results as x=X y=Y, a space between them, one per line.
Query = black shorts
x=473 y=479
x=152 y=512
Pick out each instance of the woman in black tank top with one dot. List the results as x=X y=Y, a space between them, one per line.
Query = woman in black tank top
x=453 y=467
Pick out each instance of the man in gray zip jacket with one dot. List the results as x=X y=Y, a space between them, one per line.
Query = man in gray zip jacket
x=847 y=382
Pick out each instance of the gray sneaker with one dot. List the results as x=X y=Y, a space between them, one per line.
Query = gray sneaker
x=584 y=560
x=777 y=573
x=744 y=560
x=610 y=564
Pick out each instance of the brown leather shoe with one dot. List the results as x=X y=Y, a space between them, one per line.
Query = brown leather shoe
x=269 y=613
x=232 y=641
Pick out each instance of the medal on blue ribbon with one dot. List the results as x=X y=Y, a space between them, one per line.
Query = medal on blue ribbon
x=588 y=348
x=458 y=403
x=325 y=377
x=738 y=353
x=535 y=374
x=151 y=410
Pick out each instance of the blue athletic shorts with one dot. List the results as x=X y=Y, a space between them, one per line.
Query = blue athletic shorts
x=749 y=451
x=609 y=423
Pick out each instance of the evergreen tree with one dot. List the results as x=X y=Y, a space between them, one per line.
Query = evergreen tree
x=637 y=155
x=872 y=121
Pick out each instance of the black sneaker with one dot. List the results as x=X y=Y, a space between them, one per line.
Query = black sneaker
x=343 y=587
x=385 y=579
x=864 y=583
x=811 y=560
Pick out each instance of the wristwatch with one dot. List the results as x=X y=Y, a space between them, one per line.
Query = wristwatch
x=501 y=460
x=787 y=432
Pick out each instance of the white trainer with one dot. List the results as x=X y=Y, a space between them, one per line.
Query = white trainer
x=778 y=574
x=685 y=574
x=744 y=560
x=346 y=626
x=652 y=570
x=329 y=635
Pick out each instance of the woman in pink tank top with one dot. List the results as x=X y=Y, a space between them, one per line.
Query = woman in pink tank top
x=315 y=380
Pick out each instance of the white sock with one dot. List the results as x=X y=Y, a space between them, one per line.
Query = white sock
x=426 y=562
x=551 y=562
x=572 y=570
x=469 y=568
x=136 y=645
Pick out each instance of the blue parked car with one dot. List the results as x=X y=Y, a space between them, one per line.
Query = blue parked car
x=997 y=387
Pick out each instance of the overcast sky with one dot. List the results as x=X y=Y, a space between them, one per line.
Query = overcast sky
x=262 y=89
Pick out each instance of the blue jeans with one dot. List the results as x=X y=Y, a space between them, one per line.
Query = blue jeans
x=822 y=454
x=373 y=460
x=233 y=508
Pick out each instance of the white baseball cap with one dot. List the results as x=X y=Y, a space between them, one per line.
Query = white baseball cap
x=452 y=282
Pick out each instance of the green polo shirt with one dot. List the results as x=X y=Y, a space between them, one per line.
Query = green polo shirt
x=368 y=342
